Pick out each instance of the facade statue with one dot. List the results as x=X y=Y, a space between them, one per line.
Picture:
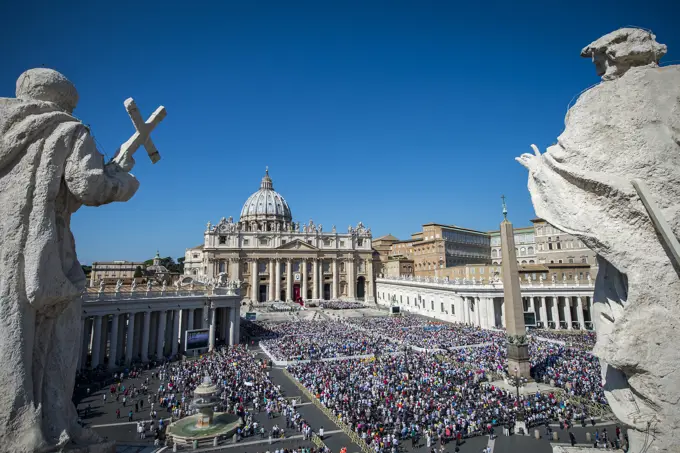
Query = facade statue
x=164 y=286
x=333 y=229
x=149 y=284
x=102 y=285
x=49 y=168
x=613 y=181
x=133 y=286
x=119 y=285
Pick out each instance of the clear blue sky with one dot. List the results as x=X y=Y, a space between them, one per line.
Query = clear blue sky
x=391 y=113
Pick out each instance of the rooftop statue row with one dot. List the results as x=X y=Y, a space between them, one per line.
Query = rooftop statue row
x=495 y=280
x=227 y=226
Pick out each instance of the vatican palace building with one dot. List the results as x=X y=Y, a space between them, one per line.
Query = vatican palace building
x=274 y=258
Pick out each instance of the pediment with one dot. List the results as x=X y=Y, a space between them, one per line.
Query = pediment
x=297 y=245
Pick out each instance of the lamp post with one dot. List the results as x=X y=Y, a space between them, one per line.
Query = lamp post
x=520 y=426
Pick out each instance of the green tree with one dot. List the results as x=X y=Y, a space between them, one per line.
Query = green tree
x=138 y=272
x=180 y=264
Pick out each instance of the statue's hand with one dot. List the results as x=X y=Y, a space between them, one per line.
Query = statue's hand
x=530 y=161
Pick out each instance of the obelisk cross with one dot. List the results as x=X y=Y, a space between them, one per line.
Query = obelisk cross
x=505 y=208
x=142 y=136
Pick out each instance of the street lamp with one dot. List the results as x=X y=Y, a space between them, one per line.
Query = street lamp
x=519 y=382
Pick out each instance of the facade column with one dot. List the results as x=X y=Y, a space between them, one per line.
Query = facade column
x=234 y=269
x=369 y=285
x=277 y=276
x=121 y=338
x=234 y=320
x=555 y=311
x=478 y=303
x=272 y=283
x=351 y=279
x=190 y=321
x=105 y=338
x=579 y=313
x=175 y=332
x=224 y=324
x=145 y=336
x=213 y=326
x=304 y=279
x=153 y=332
x=289 y=279
x=567 y=311
x=160 y=339
x=532 y=305
x=113 y=354
x=335 y=278
x=96 y=341
x=544 y=312
x=315 y=279
x=254 y=281
x=129 y=344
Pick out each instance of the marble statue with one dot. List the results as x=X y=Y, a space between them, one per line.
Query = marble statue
x=149 y=284
x=613 y=181
x=133 y=286
x=102 y=286
x=163 y=288
x=119 y=285
x=320 y=228
x=49 y=168
x=333 y=230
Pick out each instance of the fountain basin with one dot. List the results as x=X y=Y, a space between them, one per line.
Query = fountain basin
x=186 y=430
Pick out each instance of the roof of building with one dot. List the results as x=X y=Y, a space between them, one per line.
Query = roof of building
x=567 y=265
x=454 y=227
x=498 y=232
x=387 y=237
x=266 y=203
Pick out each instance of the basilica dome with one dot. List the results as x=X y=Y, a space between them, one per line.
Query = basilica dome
x=266 y=204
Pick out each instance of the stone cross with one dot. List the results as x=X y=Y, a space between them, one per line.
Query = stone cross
x=142 y=136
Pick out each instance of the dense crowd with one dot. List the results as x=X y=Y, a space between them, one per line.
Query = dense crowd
x=341 y=305
x=577 y=339
x=410 y=396
x=427 y=334
x=307 y=340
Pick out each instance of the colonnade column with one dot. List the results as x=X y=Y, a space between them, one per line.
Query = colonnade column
x=304 y=279
x=532 y=304
x=254 y=281
x=96 y=341
x=129 y=346
x=213 y=326
x=145 y=336
x=579 y=312
x=87 y=335
x=478 y=311
x=234 y=324
x=175 y=332
x=277 y=276
x=289 y=279
x=351 y=279
x=555 y=311
x=272 y=282
x=315 y=279
x=160 y=338
x=567 y=311
x=335 y=278
x=544 y=313
x=368 y=289
x=113 y=351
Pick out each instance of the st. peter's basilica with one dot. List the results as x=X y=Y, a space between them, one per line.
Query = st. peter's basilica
x=276 y=259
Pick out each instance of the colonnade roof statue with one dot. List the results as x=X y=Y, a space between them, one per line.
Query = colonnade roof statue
x=49 y=167
x=626 y=129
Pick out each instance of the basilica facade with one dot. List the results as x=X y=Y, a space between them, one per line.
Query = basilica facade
x=276 y=259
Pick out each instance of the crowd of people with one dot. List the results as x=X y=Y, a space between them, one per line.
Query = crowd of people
x=424 y=333
x=577 y=339
x=311 y=340
x=412 y=396
x=341 y=305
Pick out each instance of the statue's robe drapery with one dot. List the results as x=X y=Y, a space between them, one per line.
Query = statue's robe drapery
x=49 y=167
x=621 y=130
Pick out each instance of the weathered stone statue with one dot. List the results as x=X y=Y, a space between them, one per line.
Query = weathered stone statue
x=49 y=168
x=626 y=129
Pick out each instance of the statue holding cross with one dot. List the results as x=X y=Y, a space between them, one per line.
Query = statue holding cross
x=49 y=168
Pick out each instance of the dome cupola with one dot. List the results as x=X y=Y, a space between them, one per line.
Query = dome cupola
x=266 y=209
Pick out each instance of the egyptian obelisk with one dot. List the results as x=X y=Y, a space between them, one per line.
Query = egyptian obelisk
x=518 y=346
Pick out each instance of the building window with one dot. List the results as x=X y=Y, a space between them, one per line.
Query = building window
x=246 y=242
x=559 y=261
x=342 y=243
x=530 y=250
x=453 y=309
x=327 y=242
x=550 y=246
x=559 y=246
x=223 y=239
x=360 y=242
x=571 y=260
x=264 y=241
x=442 y=307
x=584 y=259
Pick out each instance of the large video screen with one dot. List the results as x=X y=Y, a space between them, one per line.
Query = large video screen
x=394 y=309
x=197 y=339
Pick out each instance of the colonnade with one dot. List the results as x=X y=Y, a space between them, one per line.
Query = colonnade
x=122 y=338
x=557 y=307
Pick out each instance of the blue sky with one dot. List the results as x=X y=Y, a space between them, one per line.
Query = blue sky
x=391 y=113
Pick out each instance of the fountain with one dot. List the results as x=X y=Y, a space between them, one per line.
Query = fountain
x=206 y=424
